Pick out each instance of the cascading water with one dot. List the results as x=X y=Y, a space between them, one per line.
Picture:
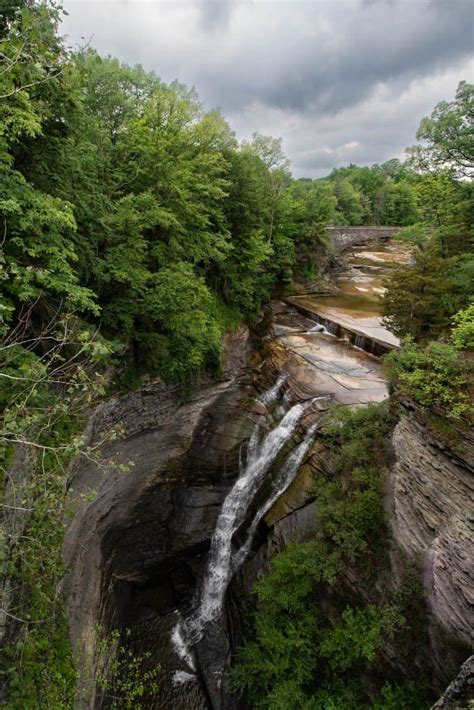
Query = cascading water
x=285 y=476
x=272 y=394
x=223 y=561
x=359 y=341
x=319 y=328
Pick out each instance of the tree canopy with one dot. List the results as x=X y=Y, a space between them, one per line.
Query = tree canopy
x=448 y=135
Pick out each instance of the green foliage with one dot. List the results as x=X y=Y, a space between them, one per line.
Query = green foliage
x=397 y=204
x=422 y=297
x=129 y=681
x=434 y=376
x=45 y=384
x=446 y=208
x=409 y=696
x=462 y=334
x=309 y=655
x=39 y=668
x=425 y=299
x=310 y=207
x=415 y=235
x=180 y=310
x=447 y=135
x=349 y=204
x=39 y=256
x=32 y=62
x=383 y=194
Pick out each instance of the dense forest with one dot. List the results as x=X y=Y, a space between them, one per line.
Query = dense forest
x=135 y=231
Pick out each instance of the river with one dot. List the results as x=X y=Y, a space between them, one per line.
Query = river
x=317 y=348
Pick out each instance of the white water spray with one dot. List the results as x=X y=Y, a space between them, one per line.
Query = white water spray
x=233 y=512
x=222 y=560
x=285 y=477
x=272 y=394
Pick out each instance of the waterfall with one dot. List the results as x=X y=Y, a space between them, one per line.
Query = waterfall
x=359 y=342
x=223 y=561
x=233 y=512
x=327 y=328
x=283 y=480
x=272 y=394
x=320 y=328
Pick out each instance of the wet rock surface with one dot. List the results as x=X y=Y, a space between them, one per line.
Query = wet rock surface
x=319 y=364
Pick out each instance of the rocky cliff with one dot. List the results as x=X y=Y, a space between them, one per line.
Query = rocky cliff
x=143 y=519
x=432 y=520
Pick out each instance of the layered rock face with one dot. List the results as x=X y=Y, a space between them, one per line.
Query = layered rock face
x=432 y=519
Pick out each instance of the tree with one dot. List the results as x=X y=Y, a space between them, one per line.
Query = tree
x=421 y=298
x=177 y=325
x=446 y=207
x=243 y=279
x=435 y=376
x=395 y=170
x=398 y=204
x=449 y=135
x=349 y=206
x=39 y=256
x=270 y=152
x=462 y=334
x=311 y=207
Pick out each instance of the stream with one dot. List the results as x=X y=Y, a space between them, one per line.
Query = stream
x=325 y=348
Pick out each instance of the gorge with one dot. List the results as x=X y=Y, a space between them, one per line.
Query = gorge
x=236 y=447
x=221 y=482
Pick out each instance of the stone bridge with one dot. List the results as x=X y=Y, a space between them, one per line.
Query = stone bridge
x=343 y=237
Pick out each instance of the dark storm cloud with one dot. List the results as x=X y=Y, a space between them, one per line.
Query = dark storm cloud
x=337 y=58
x=339 y=80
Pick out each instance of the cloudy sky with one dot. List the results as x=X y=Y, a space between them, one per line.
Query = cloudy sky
x=339 y=80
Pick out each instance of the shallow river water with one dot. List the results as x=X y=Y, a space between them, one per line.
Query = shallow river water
x=342 y=366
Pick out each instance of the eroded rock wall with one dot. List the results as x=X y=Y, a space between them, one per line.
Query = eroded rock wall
x=432 y=520
x=143 y=519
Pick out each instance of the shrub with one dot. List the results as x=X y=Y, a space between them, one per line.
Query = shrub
x=436 y=375
x=462 y=335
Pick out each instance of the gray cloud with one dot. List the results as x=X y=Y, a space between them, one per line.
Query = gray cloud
x=325 y=59
x=215 y=14
x=339 y=80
